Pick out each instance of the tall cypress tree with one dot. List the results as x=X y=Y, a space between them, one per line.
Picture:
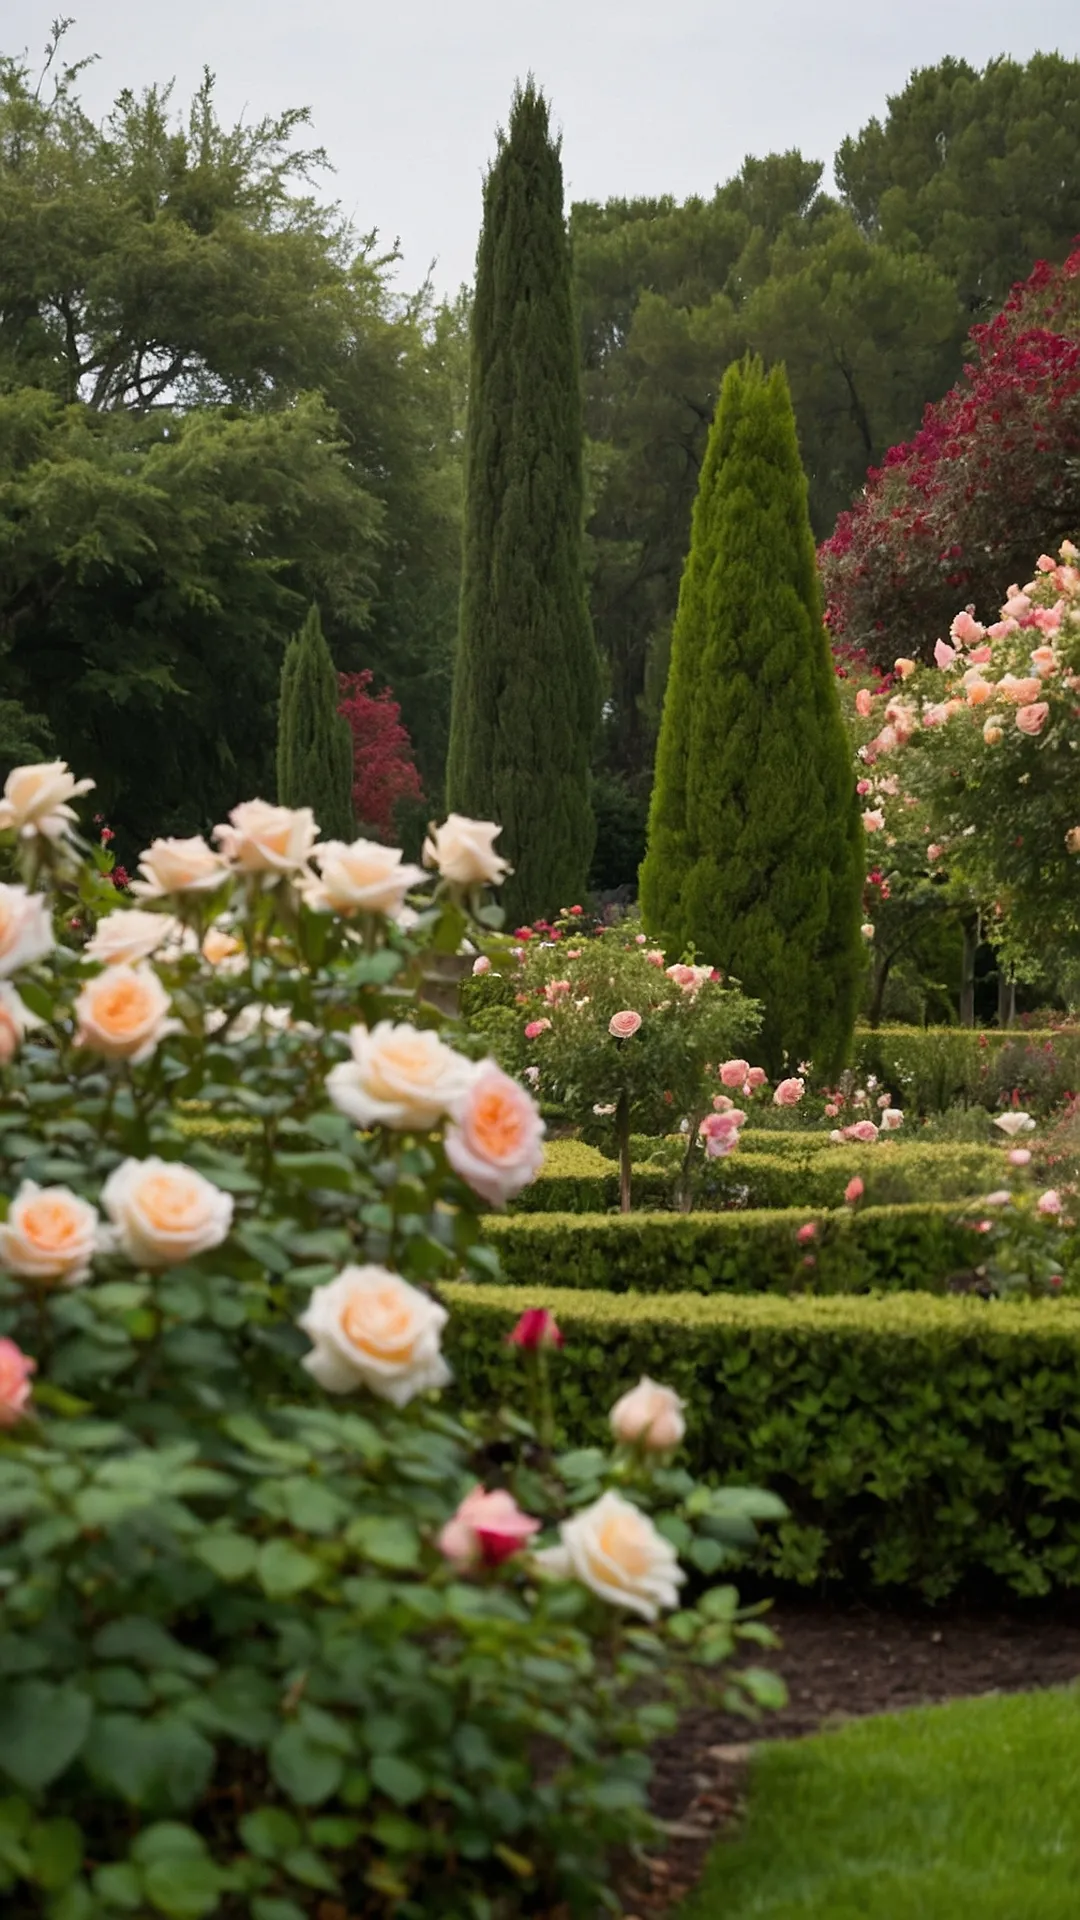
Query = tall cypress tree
x=755 y=854
x=526 y=678
x=314 y=745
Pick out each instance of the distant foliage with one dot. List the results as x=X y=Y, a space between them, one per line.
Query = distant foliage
x=314 y=754
x=384 y=771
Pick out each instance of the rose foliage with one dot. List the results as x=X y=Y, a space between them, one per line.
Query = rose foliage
x=282 y=1633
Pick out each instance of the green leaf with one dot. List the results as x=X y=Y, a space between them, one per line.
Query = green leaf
x=265 y=1908
x=145 y=1641
x=167 y=1840
x=269 y=1832
x=183 y=1887
x=306 y=1866
x=305 y=1770
x=119 y=1886
x=385 y=1540
x=42 y=1728
x=162 y=1763
x=56 y=1853
x=230 y=1555
x=397 y=1778
x=284 y=1570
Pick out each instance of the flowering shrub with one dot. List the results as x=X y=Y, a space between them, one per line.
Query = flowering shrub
x=282 y=1634
x=384 y=771
x=620 y=1040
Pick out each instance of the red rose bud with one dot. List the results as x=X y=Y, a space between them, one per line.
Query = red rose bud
x=536 y=1328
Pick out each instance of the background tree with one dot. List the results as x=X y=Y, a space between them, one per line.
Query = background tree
x=387 y=796
x=526 y=684
x=755 y=853
x=314 y=744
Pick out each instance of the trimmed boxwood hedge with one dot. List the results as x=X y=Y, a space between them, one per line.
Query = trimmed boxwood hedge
x=918 y=1443
x=933 y=1068
x=575 y=1179
x=894 y=1248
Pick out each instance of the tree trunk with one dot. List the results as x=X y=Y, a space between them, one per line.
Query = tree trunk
x=1006 y=999
x=881 y=981
x=972 y=930
x=622 y=1130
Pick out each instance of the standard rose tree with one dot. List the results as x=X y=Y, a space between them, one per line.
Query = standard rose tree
x=250 y=1532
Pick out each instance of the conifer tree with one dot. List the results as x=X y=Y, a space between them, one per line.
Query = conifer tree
x=755 y=854
x=526 y=677
x=314 y=745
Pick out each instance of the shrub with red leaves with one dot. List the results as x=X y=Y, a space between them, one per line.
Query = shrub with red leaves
x=384 y=771
x=992 y=476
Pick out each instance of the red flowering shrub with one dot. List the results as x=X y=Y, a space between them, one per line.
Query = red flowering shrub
x=384 y=771
x=992 y=476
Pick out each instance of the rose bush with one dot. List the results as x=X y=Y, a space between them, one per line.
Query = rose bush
x=283 y=1633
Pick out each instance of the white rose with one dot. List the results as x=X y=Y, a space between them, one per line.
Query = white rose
x=614 y=1548
x=15 y=1022
x=49 y=1235
x=130 y=934
x=265 y=839
x=891 y=1119
x=164 y=1212
x=399 y=1076
x=1014 y=1123
x=362 y=878
x=463 y=852
x=649 y=1416
x=370 y=1328
x=123 y=1013
x=36 y=799
x=178 y=866
x=26 y=932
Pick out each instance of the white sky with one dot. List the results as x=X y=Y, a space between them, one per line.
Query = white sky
x=653 y=96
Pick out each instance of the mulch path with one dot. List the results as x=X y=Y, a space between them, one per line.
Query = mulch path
x=838 y=1663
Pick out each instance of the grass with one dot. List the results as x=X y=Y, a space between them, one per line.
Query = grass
x=964 y=1812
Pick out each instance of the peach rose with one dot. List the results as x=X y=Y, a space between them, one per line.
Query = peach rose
x=854 y=1191
x=164 y=1212
x=863 y=702
x=264 y=839
x=178 y=866
x=992 y=733
x=873 y=820
x=486 y=1529
x=1032 y=719
x=789 y=1093
x=979 y=691
x=362 y=878
x=15 y=1370
x=734 y=1073
x=36 y=799
x=15 y=1022
x=399 y=1076
x=905 y=668
x=623 y=1026
x=966 y=631
x=128 y=935
x=50 y=1235
x=223 y=950
x=614 y=1549
x=26 y=932
x=1019 y=693
x=649 y=1416
x=463 y=852
x=496 y=1141
x=370 y=1328
x=1049 y=1202
x=123 y=1013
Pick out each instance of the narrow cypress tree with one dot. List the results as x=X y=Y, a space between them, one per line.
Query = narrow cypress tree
x=755 y=854
x=526 y=678
x=314 y=745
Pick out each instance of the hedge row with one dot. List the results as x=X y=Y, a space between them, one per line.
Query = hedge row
x=916 y=1442
x=571 y=1181
x=913 y=1248
x=933 y=1068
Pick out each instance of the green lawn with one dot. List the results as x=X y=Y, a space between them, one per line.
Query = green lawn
x=964 y=1812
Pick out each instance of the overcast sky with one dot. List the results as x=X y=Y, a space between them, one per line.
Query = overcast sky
x=653 y=96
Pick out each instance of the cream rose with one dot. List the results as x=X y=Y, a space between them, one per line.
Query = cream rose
x=496 y=1142
x=123 y=1013
x=399 y=1076
x=464 y=853
x=15 y=1022
x=26 y=932
x=264 y=839
x=130 y=934
x=649 y=1416
x=50 y=1235
x=362 y=878
x=223 y=950
x=178 y=866
x=36 y=799
x=370 y=1328
x=164 y=1212
x=614 y=1548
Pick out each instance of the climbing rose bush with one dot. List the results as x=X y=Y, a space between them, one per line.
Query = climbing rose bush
x=286 y=1630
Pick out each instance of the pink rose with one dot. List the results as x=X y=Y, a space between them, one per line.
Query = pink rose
x=1049 y=1202
x=863 y=702
x=756 y=1079
x=864 y=1131
x=735 y=1073
x=966 y=631
x=719 y=1145
x=623 y=1026
x=807 y=1233
x=1019 y=1156
x=873 y=820
x=486 y=1529
x=649 y=1416
x=933 y=851
x=556 y=990
x=655 y=956
x=789 y=1093
x=1032 y=719
x=981 y=656
x=720 y=1126
x=853 y=1191
x=944 y=655
x=862 y=786
x=535 y=1028
x=495 y=1141
x=15 y=1370
x=481 y=964
x=536 y=1328
x=831 y=1110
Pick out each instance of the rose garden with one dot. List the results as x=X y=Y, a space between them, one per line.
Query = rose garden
x=500 y=1350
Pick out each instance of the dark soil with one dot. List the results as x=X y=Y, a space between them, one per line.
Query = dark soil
x=837 y=1663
